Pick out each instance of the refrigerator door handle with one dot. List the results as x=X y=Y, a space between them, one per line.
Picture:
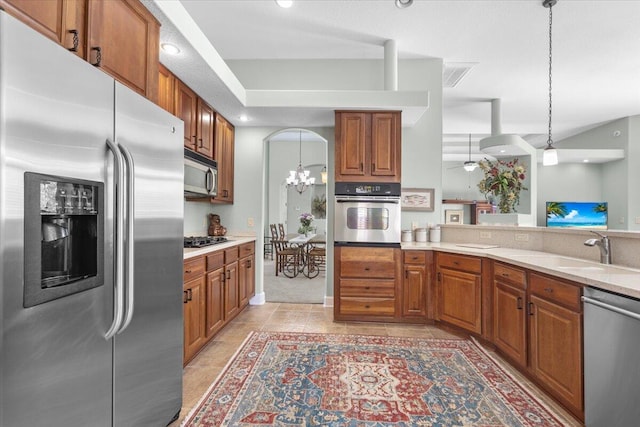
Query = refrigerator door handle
x=129 y=242
x=118 y=298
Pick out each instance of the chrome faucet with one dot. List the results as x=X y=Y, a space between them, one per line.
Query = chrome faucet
x=604 y=245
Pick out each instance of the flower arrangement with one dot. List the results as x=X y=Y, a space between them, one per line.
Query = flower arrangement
x=305 y=223
x=503 y=179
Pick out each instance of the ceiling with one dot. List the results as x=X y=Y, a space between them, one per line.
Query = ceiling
x=596 y=60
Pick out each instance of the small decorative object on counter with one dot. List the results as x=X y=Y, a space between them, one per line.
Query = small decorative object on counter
x=215 y=229
x=305 y=223
x=421 y=234
x=434 y=234
x=407 y=236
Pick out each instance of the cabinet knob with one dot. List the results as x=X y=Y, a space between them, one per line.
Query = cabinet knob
x=367 y=306
x=367 y=269
x=414 y=258
x=96 y=55
x=76 y=41
x=456 y=263
x=187 y=271
x=367 y=288
x=548 y=290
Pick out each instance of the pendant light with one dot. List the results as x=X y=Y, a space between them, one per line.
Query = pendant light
x=299 y=178
x=470 y=165
x=550 y=153
x=323 y=175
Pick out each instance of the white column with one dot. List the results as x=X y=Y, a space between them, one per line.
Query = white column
x=496 y=126
x=390 y=65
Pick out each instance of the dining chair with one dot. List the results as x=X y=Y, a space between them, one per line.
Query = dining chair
x=286 y=257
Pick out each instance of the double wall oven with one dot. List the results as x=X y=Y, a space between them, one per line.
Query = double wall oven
x=367 y=214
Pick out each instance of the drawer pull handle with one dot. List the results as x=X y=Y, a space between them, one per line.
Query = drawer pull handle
x=367 y=287
x=366 y=269
x=76 y=41
x=228 y=274
x=414 y=258
x=189 y=294
x=367 y=306
x=456 y=263
x=549 y=290
x=530 y=309
x=185 y=297
x=98 y=56
x=519 y=303
x=505 y=274
x=187 y=272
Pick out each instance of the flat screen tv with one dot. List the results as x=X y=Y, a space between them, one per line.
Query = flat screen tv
x=577 y=214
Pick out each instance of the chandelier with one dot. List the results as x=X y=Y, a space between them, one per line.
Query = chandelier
x=299 y=178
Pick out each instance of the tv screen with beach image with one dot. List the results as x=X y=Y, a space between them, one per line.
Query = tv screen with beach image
x=577 y=214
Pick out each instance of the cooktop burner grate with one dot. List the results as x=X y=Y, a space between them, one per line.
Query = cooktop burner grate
x=201 y=241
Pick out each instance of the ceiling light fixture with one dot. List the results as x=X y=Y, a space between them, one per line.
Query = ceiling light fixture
x=401 y=4
x=169 y=48
x=244 y=118
x=285 y=4
x=323 y=175
x=299 y=178
x=470 y=165
x=550 y=154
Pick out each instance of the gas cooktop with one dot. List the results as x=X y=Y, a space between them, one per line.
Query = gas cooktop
x=201 y=241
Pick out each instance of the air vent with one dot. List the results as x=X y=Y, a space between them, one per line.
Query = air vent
x=454 y=72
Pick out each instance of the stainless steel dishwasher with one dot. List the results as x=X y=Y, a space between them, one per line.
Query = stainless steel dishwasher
x=611 y=359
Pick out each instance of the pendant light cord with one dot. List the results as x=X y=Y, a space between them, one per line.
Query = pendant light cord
x=549 y=140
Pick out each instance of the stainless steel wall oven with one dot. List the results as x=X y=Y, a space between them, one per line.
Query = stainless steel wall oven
x=367 y=213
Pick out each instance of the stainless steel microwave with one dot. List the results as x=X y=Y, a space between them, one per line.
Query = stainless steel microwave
x=200 y=175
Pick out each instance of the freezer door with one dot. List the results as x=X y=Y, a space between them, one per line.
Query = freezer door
x=56 y=113
x=148 y=353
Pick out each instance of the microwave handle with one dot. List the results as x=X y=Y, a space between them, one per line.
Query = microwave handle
x=209 y=180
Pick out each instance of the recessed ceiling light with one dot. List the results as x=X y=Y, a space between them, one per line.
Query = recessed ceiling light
x=169 y=48
x=503 y=151
x=586 y=160
x=285 y=4
x=244 y=118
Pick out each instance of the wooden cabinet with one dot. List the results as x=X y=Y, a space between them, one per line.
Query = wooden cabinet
x=555 y=339
x=247 y=279
x=509 y=312
x=366 y=283
x=231 y=291
x=194 y=307
x=368 y=146
x=185 y=108
x=215 y=292
x=459 y=289
x=204 y=129
x=63 y=21
x=123 y=40
x=166 y=89
x=224 y=155
x=415 y=284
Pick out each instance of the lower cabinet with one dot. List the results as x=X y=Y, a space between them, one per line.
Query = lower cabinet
x=416 y=265
x=217 y=286
x=459 y=290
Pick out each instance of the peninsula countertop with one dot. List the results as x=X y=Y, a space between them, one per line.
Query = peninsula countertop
x=623 y=280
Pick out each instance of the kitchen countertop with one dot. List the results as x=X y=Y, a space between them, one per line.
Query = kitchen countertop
x=623 y=280
x=233 y=241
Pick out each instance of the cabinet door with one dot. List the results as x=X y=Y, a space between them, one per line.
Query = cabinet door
x=224 y=155
x=414 y=299
x=246 y=279
x=509 y=321
x=215 y=301
x=352 y=134
x=204 y=143
x=186 y=109
x=61 y=21
x=459 y=299
x=124 y=41
x=166 y=89
x=385 y=146
x=231 y=291
x=194 y=311
x=556 y=350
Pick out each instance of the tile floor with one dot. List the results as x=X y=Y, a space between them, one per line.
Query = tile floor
x=205 y=367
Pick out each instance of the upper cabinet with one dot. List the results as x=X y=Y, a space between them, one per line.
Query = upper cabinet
x=123 y=40
x=224 y=148
x=62 y=21
x=204 y=140
x=119 y=36
x=186 y=108
x=166 y=89
x=368 y=146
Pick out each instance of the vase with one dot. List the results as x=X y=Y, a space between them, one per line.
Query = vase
x=506 y=205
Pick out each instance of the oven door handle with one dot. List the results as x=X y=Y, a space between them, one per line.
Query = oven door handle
x=357 y=199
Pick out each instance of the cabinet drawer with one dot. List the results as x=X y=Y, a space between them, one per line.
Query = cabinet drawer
x=367 y=306
x=247 y=249
x=557 y=291
x=512 y=275
x=414 y=257
x=367 y=288
x=215 y=260
x=460 y=262
x=193 y=268
x=368 y=262
x=230 y=255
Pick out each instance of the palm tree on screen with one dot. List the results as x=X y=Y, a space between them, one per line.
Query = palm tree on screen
x=556 y=209
x=600 y=208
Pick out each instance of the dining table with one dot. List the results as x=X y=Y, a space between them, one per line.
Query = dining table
x=307 y=263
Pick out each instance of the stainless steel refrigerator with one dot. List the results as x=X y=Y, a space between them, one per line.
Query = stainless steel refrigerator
x=91 y=234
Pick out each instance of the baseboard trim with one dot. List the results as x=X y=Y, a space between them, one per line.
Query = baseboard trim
x=328 y=301
x=258 y=299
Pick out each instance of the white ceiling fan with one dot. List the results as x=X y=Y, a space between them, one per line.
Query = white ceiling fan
x=469 y=165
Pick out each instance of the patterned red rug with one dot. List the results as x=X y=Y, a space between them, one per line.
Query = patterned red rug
x=297 y=379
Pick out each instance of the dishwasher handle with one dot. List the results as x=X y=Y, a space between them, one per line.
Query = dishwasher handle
x=610 y=307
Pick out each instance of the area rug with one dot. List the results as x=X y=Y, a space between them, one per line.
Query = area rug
x=299 y=379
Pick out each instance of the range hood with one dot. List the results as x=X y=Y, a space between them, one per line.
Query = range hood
x=503 y=145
